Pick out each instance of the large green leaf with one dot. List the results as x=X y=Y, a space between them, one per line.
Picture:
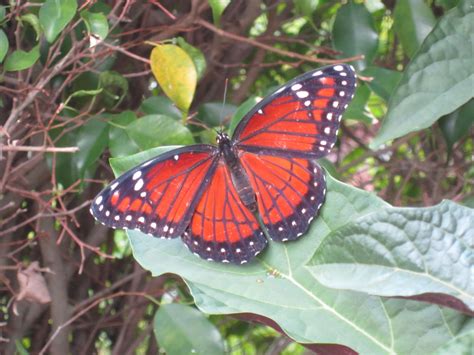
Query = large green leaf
x=157 y=130
x=354 y=33
x=439 y=79
x=161 y=105
x=402 y=252
x=279 y=286
x=54 y=15
x=413 y=20
x=181 y=329
x=20 y=60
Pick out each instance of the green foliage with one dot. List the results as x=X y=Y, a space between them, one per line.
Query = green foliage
x=439 y=78
x=20 y=60
x=354 y=33
x=181 y=329
x=54 y=16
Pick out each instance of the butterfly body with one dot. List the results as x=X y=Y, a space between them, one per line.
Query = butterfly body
x=210 y=195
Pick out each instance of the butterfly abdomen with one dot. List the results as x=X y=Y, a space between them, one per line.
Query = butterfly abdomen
x=239 y=176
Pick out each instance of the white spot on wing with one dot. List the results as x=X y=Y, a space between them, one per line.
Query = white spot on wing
x=136 y=175
x=327 y=130
x=98 y=200
x=338 y=68
x=153 y=225
x=335 y=104
x=141 y=219
x=307 y=103
x=138 y=185
x=113 y=186
x=296 y=87
x=302 y=94
x=317 y=73
x=176 y=157
x=128 y=218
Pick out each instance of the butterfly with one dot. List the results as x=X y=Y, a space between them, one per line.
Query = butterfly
x=222 y=200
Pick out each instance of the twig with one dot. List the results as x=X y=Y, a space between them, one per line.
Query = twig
x=28 y=148
x=283 y=52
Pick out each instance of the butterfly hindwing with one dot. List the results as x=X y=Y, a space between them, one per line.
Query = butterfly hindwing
x=302 y=117
x=290 y=192
x=158 y=197
x=222 y=228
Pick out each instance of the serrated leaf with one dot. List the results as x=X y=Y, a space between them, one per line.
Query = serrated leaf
x=439 y=79
x=3 y=45
x=96 y=23
x=20 y=60
x=176 y=74
x=278 y=286
x=402 y=252
x=33 y=20
x=54 y=15
x=157 y=130
x=196 y=55
x=160 y=105
x=354 y=33
x=218 y=7
x=384 y=81
x=412 y=21
x=457 y=124
x=181 y=329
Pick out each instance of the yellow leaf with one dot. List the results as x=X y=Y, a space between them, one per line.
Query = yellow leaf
x=176 y=74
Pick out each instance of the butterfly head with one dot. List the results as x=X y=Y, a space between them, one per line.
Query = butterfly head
x=222 y=139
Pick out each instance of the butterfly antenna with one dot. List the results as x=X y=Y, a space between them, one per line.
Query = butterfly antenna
x=223 y=105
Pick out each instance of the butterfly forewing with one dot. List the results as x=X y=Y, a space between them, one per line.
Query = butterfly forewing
x=302 y=117
x=222 y=228
x=158 y=197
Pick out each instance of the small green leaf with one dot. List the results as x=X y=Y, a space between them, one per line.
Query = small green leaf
x=306 y=7
x=20 y=60
x=196 y=55
x=92 y=139
x=54 y=15
x=438 y=80
x=402 y=252
x=457 y=124
x=218 y=7
x=3 y=12
x=357 y=107
x=354 y=33
x=181 y=329
x=3 y=45
x=384 y=81
x=120 y=144
x=160 y=105
x=122 y=164
x=115 y=88
x=175 y=72
x=33 y=20
x=158 y=130
x=241 y=111
x=413 y=20
x=215 y=114
x=96 y=23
